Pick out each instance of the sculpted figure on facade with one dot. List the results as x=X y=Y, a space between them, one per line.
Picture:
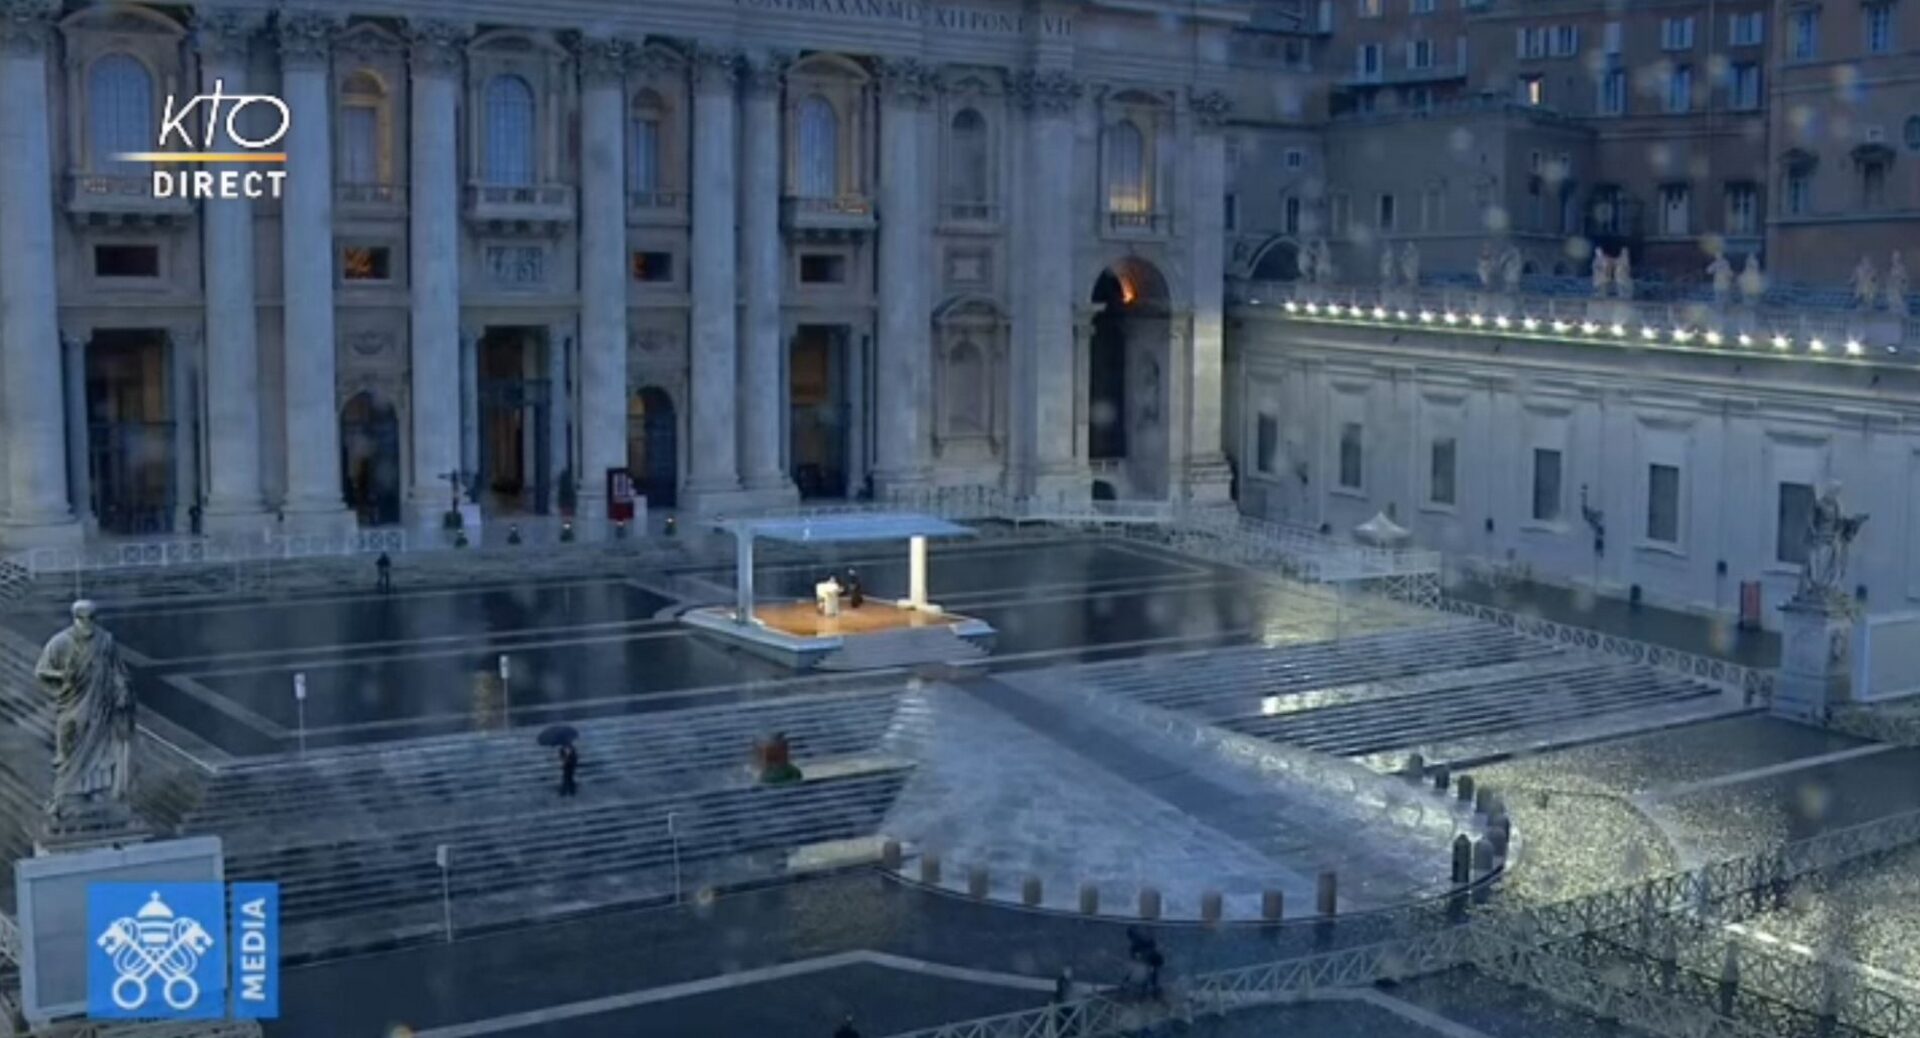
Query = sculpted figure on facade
x=1410 y=265
x=1829 y=536
x=1323 y=272
x=1622 y=274
x=1602 y=273
x=1485 y=265
x=93 y=728
x=1308 y=264
x=1721 y=272
x=1512 y=265
x=1897 y=285
x=1753 y=282
x=1388 y=269
x=1866 y=284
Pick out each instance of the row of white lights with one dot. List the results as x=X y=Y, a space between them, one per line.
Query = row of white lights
x=1589 y=329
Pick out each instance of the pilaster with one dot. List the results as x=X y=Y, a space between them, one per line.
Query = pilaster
x=438 y=388
x=713 y=480
x=603 y=268
x=762 y=399
x=904 y=349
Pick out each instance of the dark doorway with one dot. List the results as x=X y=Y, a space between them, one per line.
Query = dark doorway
x=130 y=461
x=370 y=459
x=1107 y=371
x=1103 y=491
x=818 y=411
x=514 y=398
x=653 y=447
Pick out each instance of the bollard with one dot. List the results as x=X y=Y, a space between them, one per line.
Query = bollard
x=1499 y=832
x=1462 y=860
x=977 y=881
x=1483 y=862
x=1210 y=906
x=1149 y=903
x=930 y=869
x=890 y=855
x=1030 y=892
x=1089 y=899
x=1482 y=798
x=1328 y=895
x=1273 y=905
x=1442 y=778
x=1416 y=767
x=1464 y=789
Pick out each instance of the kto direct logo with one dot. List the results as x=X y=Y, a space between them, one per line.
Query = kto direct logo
x=160 y=951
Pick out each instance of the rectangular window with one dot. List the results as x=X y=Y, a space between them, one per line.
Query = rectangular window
x=1796 y=510
x=1663 y=504
x=822 y=268
x=1873 y=185
x=366 y=263
x=1743 y=87
x=126 y=261
x=1676 y=203
x=1609 y=209
x=1386 y=211
x=1804 y=41
x=1440 y=471
x=1266 y=449
x=1879 y=28
x=1367 y=61
x=1291 y=210
x=1798 y=200
x=1420 y=54
x=1231 y=216
x=1546 y=485
x=1296 y=158
x=516 y=265
x=1532 y=43
x=1680 y=89
x=1746 y=30
x=652 y=267
x=1531 y=90
x=1613 y=92
x=1566 y=41
x=1352 y=460
x=1743 y=208
x=1676 y=33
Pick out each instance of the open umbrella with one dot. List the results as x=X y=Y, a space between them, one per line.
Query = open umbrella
x=558 y=735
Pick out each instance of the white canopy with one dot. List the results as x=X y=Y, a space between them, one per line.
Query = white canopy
x=1382 y=532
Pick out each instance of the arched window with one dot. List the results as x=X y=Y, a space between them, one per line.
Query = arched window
x=966 y=391
x=970 y=172
x=1127 y=169
x=510 y=147
x=363 y=109
x=646 y=129
x=819 y=157
x=119 y=111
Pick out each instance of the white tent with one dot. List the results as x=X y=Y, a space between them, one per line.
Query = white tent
x=1382 y=532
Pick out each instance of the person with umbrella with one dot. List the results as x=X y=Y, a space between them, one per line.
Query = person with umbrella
x=564 y=736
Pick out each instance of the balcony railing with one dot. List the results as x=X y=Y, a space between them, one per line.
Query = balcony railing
x=841 y=212
x=668 y=207
x=971 y=213
x=122 y=194
x=520 y=203
x=1773 y=326
x=369 y=196
x=1134 y=223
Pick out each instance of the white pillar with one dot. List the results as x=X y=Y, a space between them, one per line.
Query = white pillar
x=235 y=504
x=743 y=576
x=603 y=271
x=917 y=572
x=433 y=201
x=31 y=396
x=1050 y=98
x=713 y=481
x=903 y=353
x=1206 y=476
x=763 y=397
x=314 y=502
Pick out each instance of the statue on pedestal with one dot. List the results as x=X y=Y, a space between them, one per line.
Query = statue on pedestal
x=1305 y=260
x=1866 y=284
x=1602 y=273
x=1753 y=283
x=1485 y=266
x=93 y=718
x=1897 y=285
x=1410 y=265
x=1388 y=269
x=1829 y=535
x=1511 y=267
x=1622 y=274
x=1722 y=274
x=1323 y=272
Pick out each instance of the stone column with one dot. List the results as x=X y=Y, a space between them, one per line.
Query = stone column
x=1206 y=477
x=183 y=347
x=903 y=357
x=468 y=348
x=234 y=501
x=31 y=397
x=74 y=348
x=433 y=212
x=713 y=479
x=1049 y=98
x=314 y=503
x=763 y=397
x=603 y=270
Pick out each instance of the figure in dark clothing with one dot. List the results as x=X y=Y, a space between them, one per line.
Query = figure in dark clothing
x=846 y=1029
x=855 y=593
x=384 y=566
x=569 y=763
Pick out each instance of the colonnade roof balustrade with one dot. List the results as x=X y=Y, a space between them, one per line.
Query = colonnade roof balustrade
x=1810 y=332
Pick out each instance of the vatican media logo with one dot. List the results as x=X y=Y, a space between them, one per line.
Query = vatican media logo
x=202 y=182
x=159 y=953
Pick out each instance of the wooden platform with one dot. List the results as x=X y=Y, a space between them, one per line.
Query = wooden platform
x=803 y=619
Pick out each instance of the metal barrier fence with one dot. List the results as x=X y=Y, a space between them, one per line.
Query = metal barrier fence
x=202 y=551
x=10 y=949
